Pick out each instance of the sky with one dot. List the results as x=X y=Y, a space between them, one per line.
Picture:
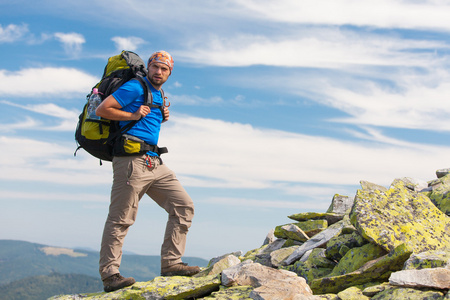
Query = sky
x=276 y=106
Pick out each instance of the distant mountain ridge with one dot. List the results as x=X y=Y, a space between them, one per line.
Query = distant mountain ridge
x=44 y=286
x=21 y=259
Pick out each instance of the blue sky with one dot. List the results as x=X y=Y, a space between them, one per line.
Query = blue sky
x=276 y=107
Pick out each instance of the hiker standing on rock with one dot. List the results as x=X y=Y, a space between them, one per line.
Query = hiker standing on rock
x=136 y=175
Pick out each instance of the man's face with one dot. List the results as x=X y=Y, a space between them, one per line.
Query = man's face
x=158 y=73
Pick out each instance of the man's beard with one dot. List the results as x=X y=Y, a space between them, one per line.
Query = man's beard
x=159 y=83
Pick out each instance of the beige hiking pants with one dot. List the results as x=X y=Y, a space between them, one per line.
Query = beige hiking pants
x=132 y=179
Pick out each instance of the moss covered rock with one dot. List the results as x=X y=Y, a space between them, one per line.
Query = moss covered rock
x=398 y=215
x=338 y=246
x=292 y=232
x=440 y=194
x=428 y=259
x=232 y=293
x=376 y=270
x=315 y=266
x=352 y=293
x=309 y=227
x=408 y=293
x=356 y=258
x=173 y=288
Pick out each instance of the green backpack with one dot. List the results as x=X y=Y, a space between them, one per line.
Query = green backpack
x=99 y=137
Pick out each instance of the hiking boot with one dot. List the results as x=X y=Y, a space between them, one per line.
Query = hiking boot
x=116 y=282
x=180 y=269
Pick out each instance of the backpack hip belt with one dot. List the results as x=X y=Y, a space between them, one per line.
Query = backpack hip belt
x=131 y=145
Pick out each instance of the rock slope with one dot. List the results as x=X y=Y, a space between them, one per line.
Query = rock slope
x=383 y=243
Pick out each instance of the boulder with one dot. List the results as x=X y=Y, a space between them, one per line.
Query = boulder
x=340 y=204
x=400 y=216
x=356 y=258
x=440 y=194
x=438 y=278
x=269 y=283
x=338 y=246
x=407 y=293
x=428 y=259
x=312 y=265
x=173 y=288
x=378 y=269
x=270 y=237
x=330 y=217
x=352 y=293
x=232 y=293
x=319 y=240
x=218 y=266
x=291 y=231
x=305 y=229
x=278 y=256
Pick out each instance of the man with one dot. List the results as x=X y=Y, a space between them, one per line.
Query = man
x=136 y=175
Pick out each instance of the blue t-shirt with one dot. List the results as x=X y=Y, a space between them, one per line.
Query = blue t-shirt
x=131 y=96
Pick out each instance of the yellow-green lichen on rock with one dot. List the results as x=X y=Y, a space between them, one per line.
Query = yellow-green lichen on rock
x=440 y=194
x=315 y=266
x=251 y=254
x=232 y=293
x=339 y=245
x=398 y=215
x=219 y=266
x=310 y=227
x=352 y=293
x=375 y=270
x=376 y=288
x=428 y=259
x=408 y=293
x=278 y=256
x=292 y=232
x=170 y=288
x=356 y=258
x=331 y=217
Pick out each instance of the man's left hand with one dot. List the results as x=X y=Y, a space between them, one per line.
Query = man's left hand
x=166 y=114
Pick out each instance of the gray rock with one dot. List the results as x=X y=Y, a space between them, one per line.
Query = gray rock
x=318 y=240
x=340 y=204
x=270 y=237
x=269 y=283
x=438 y=278
x=442 y=172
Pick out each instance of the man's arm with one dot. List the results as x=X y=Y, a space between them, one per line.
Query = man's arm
x=110 y=109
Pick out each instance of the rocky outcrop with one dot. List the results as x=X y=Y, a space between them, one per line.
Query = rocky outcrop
x=383 y=243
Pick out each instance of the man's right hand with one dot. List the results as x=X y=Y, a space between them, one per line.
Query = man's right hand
x=141 y=112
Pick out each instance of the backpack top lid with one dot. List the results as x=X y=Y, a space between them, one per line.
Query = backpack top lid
x=120 y=69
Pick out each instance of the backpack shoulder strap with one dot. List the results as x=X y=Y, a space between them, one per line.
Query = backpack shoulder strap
x=148 y=97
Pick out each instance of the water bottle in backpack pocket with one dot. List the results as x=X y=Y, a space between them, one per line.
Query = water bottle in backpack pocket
x=93 y=102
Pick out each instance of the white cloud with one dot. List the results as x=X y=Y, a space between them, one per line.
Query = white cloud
x=378 y=13
x=32 y=160
x=220 y=154
x=418 y=107
x=72 y=42
x=58 y=82
x=213 y=153
x=48 y=109
x=12 y=33
x=319 y=48
x=67 y=118
x=131 y=43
